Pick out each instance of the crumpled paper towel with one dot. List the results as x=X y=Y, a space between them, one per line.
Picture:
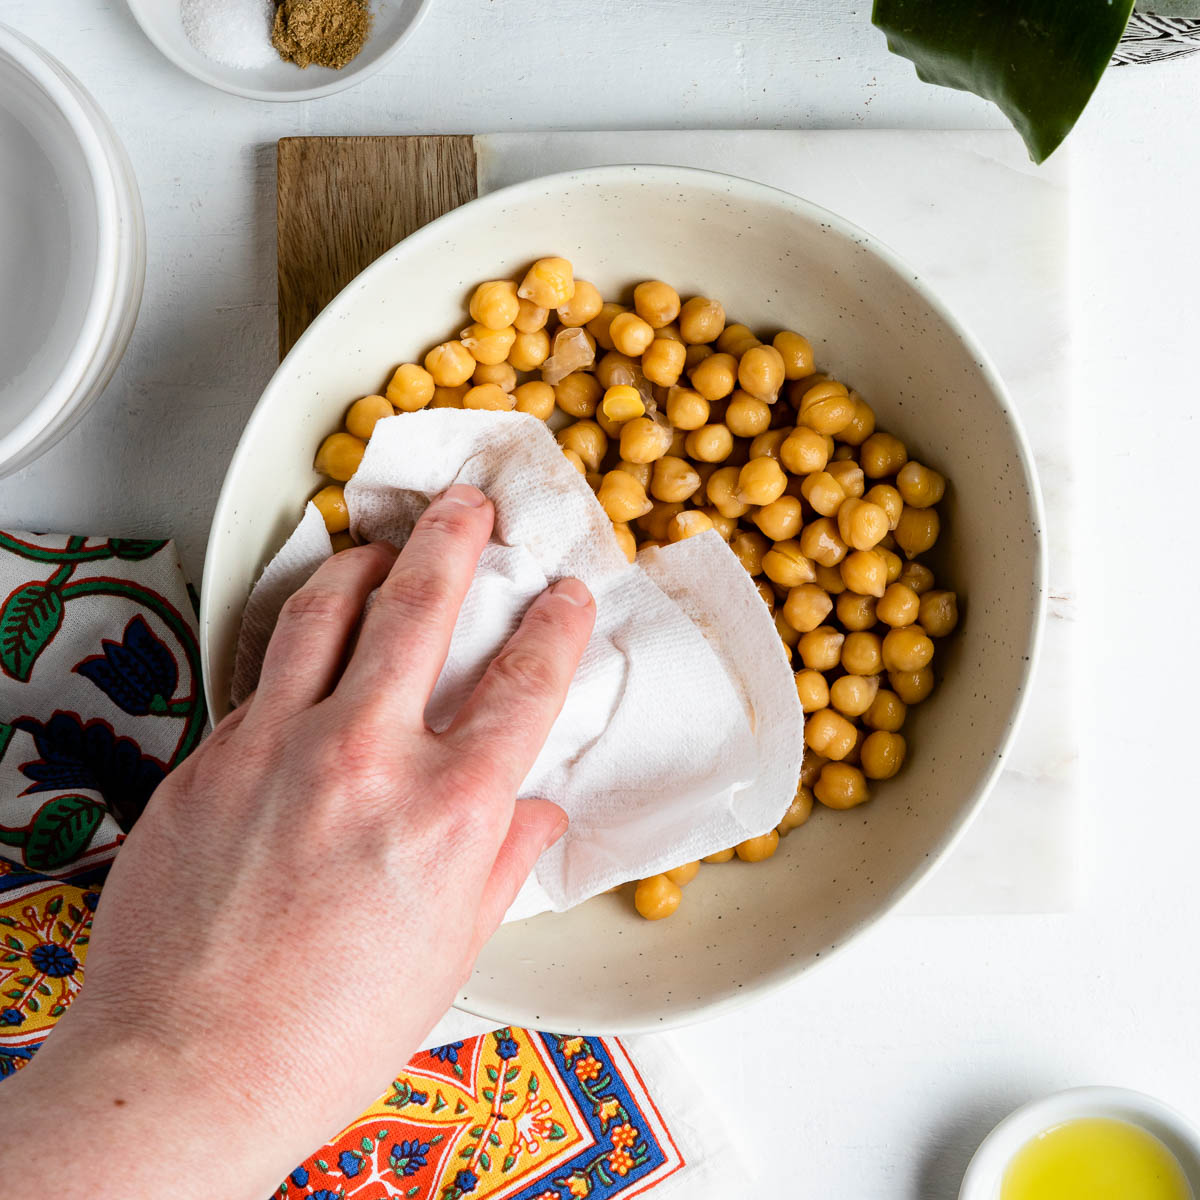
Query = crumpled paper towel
x=682 y=733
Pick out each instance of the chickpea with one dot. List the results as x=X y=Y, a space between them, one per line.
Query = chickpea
x=823 y=493
x=898 y=606
x=849 y=474
x=787 y=635
x=830 y=579
x=852 y=695
x=861 y=425
x=339 y=456
x=865 y=572
x=411 y=387
x=642 y=472
x=812 y=690
x=622 y=497
x=630 y=334
x=449 y=397
x=769 y=444
x=797 y=353
x=644 y=440
x=574 y=460
x=736 y=339
x=855 y=612
x=887 y=498
x=825 y=407
x=683 y=875
x=722 y=492
x=841 y=786
x=662 y=362
x=687 y=524
x=625 y=540
x=535 y=398
x=820 y=541
x=797 y=813
x=696 y=355
x=861 y=524
x=843 y=453
x=488 y=346
x=529 y=350
x=450 y=364
x=716 y=376
x=785 y=563
x=761 y=371
x=938 y=613
x=656 y=522
x=862 y=653
x=746 y=416
x=917 y=576
x=341 y=541
x=893 y=562
x=587 y=439
x=549 y=283
x=882 y=455
x=617 y=370
x=768 y=598
x=821 y=648
x=331 y=504
x=686 y=409
x=907 y=649
x=530 y=317
x=673 y=479
x=656 y=897
x=917 y=530
x=701 y=320
x=912 y=686
x=882 y=754
x=804 y=451
x=756 y=849
x=599 y=326
x=810 y=769
x=491 y=397
x=495 y=304
x=919 y=485
x=806 y=607
x=761 y=481
x=748 y=547
x=829 y=734
x=501 y=374
x=781 y=519
x=725 y=526
x=584 y=305
x=710 y=443
x=621 y=403
x=887 y=712
x=721 y=856
x=365 y=413
x=657 y=303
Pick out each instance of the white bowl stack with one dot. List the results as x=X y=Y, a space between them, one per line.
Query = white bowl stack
x=72 y=251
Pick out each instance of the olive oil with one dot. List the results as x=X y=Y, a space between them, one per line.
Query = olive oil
x=1094 y=1159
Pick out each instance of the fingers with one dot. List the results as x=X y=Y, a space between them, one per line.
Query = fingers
x=308 y=647
x=508 y=716
x=536 y=824
x=406 y=634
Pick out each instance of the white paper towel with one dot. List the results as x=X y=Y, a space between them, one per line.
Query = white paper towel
x=682 y=731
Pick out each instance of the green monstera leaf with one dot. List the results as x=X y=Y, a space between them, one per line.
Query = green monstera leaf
x=30 y=618
x=61 y=831
x=1038 y=60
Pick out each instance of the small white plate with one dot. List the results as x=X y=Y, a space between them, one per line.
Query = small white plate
x=392 y=21
x=986 y=1170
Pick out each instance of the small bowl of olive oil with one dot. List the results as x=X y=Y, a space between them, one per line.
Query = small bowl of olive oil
x=1089 y=1143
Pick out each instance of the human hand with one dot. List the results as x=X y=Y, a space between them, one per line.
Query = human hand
x=302 y=898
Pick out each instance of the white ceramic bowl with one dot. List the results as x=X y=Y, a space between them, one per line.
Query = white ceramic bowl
x=986 y=1170
x=392 y=22
x=72 y=251
x=775 y=261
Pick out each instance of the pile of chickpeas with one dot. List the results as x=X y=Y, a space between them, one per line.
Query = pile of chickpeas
x=682 y=422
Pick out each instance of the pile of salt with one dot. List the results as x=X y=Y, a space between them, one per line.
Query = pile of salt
x=236 y=33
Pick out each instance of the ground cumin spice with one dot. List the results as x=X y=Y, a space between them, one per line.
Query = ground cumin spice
x=324 y=33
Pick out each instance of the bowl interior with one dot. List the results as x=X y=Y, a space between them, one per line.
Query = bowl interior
x=775 y=262
x=49 y=242
x=162 y=21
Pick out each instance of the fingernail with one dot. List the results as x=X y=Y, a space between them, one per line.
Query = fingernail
x=559 y=830
x=464 y=493
x=573 y=591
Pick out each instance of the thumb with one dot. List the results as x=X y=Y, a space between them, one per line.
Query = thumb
x=535 y=825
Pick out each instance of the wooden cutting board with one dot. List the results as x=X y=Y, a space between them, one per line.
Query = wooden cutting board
x=343 y=201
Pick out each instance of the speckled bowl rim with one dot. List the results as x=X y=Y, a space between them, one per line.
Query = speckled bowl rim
x=714 y=182
x=347 y=77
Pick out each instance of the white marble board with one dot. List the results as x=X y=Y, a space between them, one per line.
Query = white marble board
x=989 y=232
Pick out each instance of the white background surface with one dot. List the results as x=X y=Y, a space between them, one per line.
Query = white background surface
x=874 y=1077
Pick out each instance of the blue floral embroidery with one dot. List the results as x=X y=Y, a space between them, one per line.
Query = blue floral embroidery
x=299 y=1176
x=323 y=1194
x=418 y=1097
x=10 y=1016
x=447 y=1053
x=465 y=1181
x=349 y=1163
x=10 y=1055
x=90 y=900
x=407 y=1158
x=91 y=756
x=53 y=960
x=138 y=673
x=507 y=1048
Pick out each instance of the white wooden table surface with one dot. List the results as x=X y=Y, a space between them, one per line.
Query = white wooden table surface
x=875 y=1077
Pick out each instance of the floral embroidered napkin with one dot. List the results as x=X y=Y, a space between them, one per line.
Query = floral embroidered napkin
x=100 y=697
